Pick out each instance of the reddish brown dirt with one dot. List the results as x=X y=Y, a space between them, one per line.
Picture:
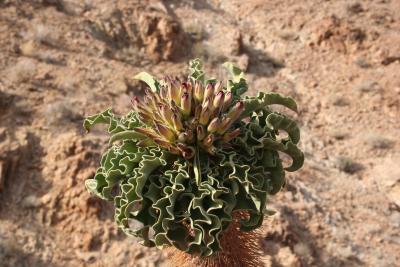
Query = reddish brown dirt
x=61 y=60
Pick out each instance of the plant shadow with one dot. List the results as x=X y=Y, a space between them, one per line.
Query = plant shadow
x=11 y=256
x=261 y=63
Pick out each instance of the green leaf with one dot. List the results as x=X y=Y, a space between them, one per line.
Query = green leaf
x=105 y=117
x=149 y=80
x=197 y=167
x=280 y=122
x=290 y=149
x=238 y=88
x=196 y=70
x=238 y=84
x=131 y=135
x=236 y=73
x=263 y=100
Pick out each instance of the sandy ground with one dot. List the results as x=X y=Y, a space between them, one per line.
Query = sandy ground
x=61 y=60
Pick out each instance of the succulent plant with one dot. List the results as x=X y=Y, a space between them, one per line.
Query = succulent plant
x=192 y=153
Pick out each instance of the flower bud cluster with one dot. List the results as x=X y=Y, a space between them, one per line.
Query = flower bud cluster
x=186 y=115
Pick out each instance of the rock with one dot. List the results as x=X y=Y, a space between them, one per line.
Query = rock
x=31 y=202
x=86 y=256
x=236 y=46
x=394 y=219
x=160 y=35
x=60 y=112
x=287 y=258
x=45 y=199
x=388 y=178
x=334 y=33
x=29 y=48
x=226 y=43
x=303 y=250
x=74 y=7
x=23 y=71
x=388 y=51
x=110 y=28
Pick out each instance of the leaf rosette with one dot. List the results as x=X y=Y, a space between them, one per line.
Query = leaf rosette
x=189 y=154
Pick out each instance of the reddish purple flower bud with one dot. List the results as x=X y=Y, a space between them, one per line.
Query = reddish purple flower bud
x=218 y=86
x=198 y=91
x=197 y=112
x=174 y=150
x=162 y=142
x=148 y=132
x=175 y=92
x=201 y=133
x=204 y=116
x=206 y=103
x=218 y=100
x=187 y=87
x=225 y=124
x=236 y=110
x=186 y=137
x=163 y=92
x=145 y=117
x=186 y=104
x=174 y=107
x=170 y=88
x=208 y=141
x=177 y=121
x=227 y=100
x=187 y=151
x=213 y=126
x=166 y=113
x=209 y=91
x=232 y=135
x=166 y=132
x=182 y=137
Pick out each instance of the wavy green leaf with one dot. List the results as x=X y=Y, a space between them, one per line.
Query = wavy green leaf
x=127 y=135
x=263 y=100
x=290 y=149
x=196 y=70
x=280 y=122
x=236 y=72
x=238 y=84
x=106 y=117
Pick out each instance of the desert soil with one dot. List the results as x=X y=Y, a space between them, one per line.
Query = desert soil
x=62 y=60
